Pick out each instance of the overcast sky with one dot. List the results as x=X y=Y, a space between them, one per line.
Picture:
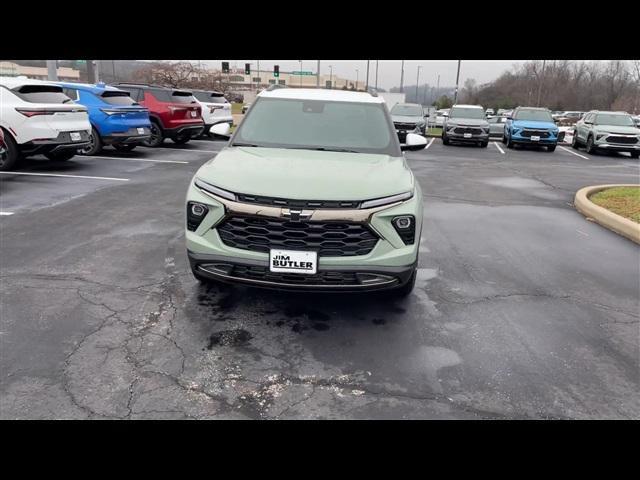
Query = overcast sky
x=482 y=71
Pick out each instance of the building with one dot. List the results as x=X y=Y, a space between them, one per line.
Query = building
x=10 y=69
x=264 y=78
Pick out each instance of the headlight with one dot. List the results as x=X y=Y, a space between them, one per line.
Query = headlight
x=386 y=200
x=208 y=188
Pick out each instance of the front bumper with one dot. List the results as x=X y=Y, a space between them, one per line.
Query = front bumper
x=613 y=147
x=389 y=264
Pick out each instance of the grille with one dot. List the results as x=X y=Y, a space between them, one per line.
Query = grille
x=625 y=140
x=320 y=278
x=405 y=126
x=463 y=130
x=539 y=133
x=329 y=239
x=285 y=202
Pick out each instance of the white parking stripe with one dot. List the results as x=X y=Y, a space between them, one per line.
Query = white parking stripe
x=432 y=140
x=66 y=176
x=572 y=152
x=89 y=157
x=498 y=147
x=188 y=150
x=6 y=213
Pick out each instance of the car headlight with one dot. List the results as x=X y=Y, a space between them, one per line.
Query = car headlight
x=208 y=188
x=376 y=202
x=451 y=126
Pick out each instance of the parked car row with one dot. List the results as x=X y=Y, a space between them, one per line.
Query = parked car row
x=61 y=119
x=607 y=131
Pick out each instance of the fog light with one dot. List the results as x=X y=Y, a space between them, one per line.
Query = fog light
x=405 y=226
x=196 y=213
x=403 y=223
x=198 y=210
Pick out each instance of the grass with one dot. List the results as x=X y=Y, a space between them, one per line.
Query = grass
x=236 y=107
x=434 y=131
x=625 y=201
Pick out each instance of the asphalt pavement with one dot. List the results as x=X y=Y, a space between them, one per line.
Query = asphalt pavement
x=522 y=309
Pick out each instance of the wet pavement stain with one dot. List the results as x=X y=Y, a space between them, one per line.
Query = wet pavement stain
x=321 y=327
x=316 y=315
x=234 y=338
x=378 y=321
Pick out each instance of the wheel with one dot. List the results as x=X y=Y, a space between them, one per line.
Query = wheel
x=124 y=148
x=181 y=140
x=575 y=143
x=11 y=155
x=484 y=144
x=406 y=289
x=504 y=139
x=590 y=148
x=633 y=155
x=551 y=148
x=445 y=139
x=510 y=143
x=156 y=138
x=61 y=156
x=95 y=144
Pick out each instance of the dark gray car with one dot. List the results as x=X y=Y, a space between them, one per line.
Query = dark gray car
x=408 y=118
x=468 y=124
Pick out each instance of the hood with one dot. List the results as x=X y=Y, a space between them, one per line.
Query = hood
x=534 y=124
x=407 y=118
x=472 y=122
x=617 y=129
x=307 y=174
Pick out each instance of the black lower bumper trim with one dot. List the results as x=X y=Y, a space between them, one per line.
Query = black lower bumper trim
x=191 y=130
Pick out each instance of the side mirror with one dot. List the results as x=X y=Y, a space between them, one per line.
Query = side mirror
x=221 y=129
x=414 y=142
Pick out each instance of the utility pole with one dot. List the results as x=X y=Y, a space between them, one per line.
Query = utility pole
x=417 y=82
x=92 y=77
x=367 y=85
x=300 y=72
x=540 y=83
x=402 y=77
x=318 y=79
x=377 y=74
x=438 y=88
x=258 y=87
x=331 y=77
x=455 y=98
x=357 y=78
x=52 y=70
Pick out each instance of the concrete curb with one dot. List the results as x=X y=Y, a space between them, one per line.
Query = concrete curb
x=620 y=225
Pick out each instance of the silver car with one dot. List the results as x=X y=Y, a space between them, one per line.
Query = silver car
x=496 y=126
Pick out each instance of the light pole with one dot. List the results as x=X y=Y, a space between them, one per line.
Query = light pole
x=540 y=83
x=259 y=78
x=318 y=79
x=357 y=78
x=331 y=76
x=367 y=83
x=402 y=77
x=417 y=82
x=52 y=70
x=455 y=97
x=300 y=72
x=377 y=74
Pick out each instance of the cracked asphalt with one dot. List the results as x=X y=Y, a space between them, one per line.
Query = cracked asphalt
x=523 y=309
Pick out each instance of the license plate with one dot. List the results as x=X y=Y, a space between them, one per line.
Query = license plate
x=76 y=137
x=293 y=261
x=467 y=135
x=535 y=138
x=140 y=131
x=194 y=113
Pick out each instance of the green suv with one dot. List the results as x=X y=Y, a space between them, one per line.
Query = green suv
x=612 y=131
x=312 y=193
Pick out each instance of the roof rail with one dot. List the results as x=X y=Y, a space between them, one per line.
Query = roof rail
x=373 y=92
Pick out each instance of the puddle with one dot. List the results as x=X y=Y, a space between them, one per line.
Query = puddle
x=234 y=338
x=527 y=185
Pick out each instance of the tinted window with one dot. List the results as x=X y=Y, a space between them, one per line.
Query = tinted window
x=280 y=123
x=209 y=97
x=613 y=119
x=134 y=92
x=117 y=98
x=160 y=95
x=466 y=112
x=71 y=93
x=42 y=94
x=533 y=115
x=182 y=97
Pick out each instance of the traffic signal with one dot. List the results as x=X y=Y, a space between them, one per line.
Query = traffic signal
x=225 y=67
x=276 y=70
x=247 y=69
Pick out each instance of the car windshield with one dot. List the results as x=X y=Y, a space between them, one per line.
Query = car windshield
x=42 y=94
x=118 y=98
x=466 y=112
x=317 y=124
x=533 y=115
x=613 y=119
x=407 y=110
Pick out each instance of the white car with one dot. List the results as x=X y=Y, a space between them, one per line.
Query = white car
x=38 y=118
x=441 y=116
x=215 y=108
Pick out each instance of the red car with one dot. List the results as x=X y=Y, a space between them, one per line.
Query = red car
x=3 y=148
x=174 y=113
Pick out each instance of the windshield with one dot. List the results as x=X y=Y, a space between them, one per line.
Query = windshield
x=613 y=119
x=533 y=115
x=118 y=98
x=464 y=112
x=317 y=124
x=407 y=110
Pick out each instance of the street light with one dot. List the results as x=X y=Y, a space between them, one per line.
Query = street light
x=417 y=82
x=331 y=76
x=357 y=78
x=300 y=72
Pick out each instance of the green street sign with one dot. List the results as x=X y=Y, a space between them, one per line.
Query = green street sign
x=302 y=73
x=81 y=62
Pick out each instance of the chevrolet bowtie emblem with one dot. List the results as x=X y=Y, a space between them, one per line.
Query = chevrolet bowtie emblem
x=296 y=215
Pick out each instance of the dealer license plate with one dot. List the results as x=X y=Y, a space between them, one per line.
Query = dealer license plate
x=140 y=131
x=467 y=135
x=535 y=138
x=293 y=261
x=194 y=113
x=76 y=137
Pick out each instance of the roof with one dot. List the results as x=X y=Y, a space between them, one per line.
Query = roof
x=468 y=106
x=535 y=108
x=321 y=94
x=12 y=82
x=409 y=104
x=99 y=88
x=147 y=85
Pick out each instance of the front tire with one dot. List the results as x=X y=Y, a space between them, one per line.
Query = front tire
x=61 y=156
x=406 y=289
x=11 y=155
x=634 y=154
x=156 y=138
x=95 y=144
x=510 y=143
x=181 y=140
x=590 y=148
x=484 y=144
x=551 y=148
x=124 y=148
x=575 y=143
x=445 y=139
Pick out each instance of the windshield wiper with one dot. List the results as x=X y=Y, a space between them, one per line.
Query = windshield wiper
x=324 y=149
x=240 y=144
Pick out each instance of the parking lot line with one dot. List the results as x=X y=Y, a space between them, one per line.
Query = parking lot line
x=66 y=176
x=431 y=142
x=89 y=157
x=498 y=147
x=188 y=150
x=572 y=152
x=5 y=213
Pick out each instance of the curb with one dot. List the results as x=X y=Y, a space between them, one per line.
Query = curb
x=622 y=226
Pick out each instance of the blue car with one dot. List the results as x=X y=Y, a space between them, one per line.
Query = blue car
x=531 y=126
x=116 y=119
